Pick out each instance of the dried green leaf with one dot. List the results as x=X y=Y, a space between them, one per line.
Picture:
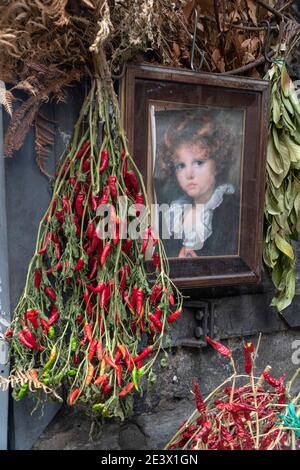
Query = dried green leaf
x=284 y=247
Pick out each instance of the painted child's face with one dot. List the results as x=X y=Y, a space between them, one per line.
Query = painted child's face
x=195 y=171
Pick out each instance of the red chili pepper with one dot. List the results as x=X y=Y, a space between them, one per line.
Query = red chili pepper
x=100 y=379
x=28 y=339
x=171 y=299
x=158 y=313
x=93 y=268
x=201 y=407
x=98 y=289
x=99 y=351
x=58 y=250
x=90 y=232
x=129 y=362
x=139 y=301
x=104 y=297
x=145 y=240
x=139 y=199
x=50 y=293
x=156 y=294
x=79 y=265
x=66 y=204
x=123 y=154
x=76 y=223
x=109 y=362
x=112 y=186
x=147 y=351
x=129 y=387
x=54 y=315
x=220 y=348
x=60 y=216
x=126 y=246
x=133 y=182
x=119 y=375
x=32 y=317
x=9 y=333
x=92 y=349
x=83 y=149
x=105 y=197
x=272 y=381
x=106 y=251
x=116 y=237
x=142 y=326
x=134 y=295
x=57 y=267
x=248 y=348
x=117 y=357
x=72 y=181
x=93 y=203
x=79 y=204
x=106 y=388
x=235 y=407
x=152 y=234
x=156 y=261
x=93 y=246
x=73 y=395
x=86 y=165
x=174 y=316
x=88 y=331
x=128 y=302
x=37 y=278
x=205 y=431
x=46 y=243
x=45 y=325
x=104 y=160
x=157 y=323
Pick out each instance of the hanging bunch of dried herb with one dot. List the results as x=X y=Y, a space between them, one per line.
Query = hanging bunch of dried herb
x=282 y=203
x=90 y=317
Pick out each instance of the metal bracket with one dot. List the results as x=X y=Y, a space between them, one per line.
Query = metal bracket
x=203 y=324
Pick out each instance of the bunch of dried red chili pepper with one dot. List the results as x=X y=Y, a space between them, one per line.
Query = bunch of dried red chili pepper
x=244 y=416
x=88 y=302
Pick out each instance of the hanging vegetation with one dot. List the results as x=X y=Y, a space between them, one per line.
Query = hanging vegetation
x=282 y=203
x=89 y=316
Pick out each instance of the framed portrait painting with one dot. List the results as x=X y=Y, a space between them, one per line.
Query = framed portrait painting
x=199 y=140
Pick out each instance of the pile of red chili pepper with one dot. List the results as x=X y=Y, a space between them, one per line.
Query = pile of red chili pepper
x=91 y=317
x=239 y=416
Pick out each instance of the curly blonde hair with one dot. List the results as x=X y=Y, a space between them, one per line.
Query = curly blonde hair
x=205 y=127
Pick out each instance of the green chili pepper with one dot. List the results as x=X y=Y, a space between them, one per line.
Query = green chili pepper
x=72 y=372
x=98 y=407
x=140 y=372
x=45 y=377
x=58 y=377
x=135 y=379
x=51 y=332
x=106 y=413
x=22 y=391
x=73 y=344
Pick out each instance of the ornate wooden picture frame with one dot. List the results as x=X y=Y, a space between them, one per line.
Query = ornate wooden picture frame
x=200 y=140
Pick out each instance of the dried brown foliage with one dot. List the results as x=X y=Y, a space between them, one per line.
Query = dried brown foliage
x=47 y=44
